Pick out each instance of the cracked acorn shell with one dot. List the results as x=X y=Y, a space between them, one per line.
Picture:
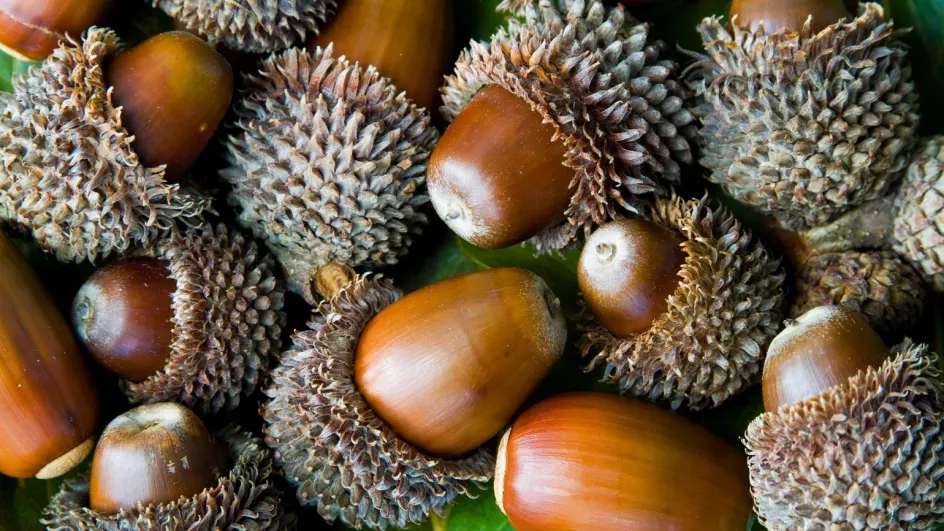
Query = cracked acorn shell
x=919 y=223
x=245 y=498
x=862 y=448
x=616 y=108
x=709 y=344
x=370 y=451
x=227 y=320
x=328 y=164
x=805 y=125
x=69 y=176
x=257 y=26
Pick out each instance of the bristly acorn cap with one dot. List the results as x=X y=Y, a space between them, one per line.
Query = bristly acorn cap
x=877 y=284
x=255 y=26
x=866 y=454
x=710 y=343
x=69 y=175
x=919 y=223
x=341 y=457
x=594 y=74
x=805 y=125
x=245 y=499
x=228 y=321
x=328 y=164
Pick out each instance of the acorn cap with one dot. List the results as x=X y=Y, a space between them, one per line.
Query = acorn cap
x=594 y=74
x=805 y=125
x=863 y=455
x=246 y=498
x=330 y=444
x=258 y=26
x=228 y=321
x=877 y=284
x=919 y=224
x=70 y=177
x=710 y=343
x=328 y=164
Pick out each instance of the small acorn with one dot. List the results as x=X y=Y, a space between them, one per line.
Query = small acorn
x=194 y=320
x=830 y=451
x=31 y=29
x=71 y=176
x=548 y=142
x=174 y=90
x=607 y=463
x=378 y=413
x=804 y=149
x=157 y=467
x=680 y=305
x=48 y=403
x=405 y=40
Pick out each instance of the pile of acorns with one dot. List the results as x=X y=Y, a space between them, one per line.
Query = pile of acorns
x=570 y=127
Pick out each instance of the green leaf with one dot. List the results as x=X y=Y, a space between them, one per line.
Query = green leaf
x=926 y=18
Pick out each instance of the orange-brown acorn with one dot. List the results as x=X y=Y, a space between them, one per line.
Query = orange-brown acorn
x=595 y=461
x=31 y=29
x=48 y=403
x=787 y=15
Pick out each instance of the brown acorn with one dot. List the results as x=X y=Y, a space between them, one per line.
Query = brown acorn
x=31 y=29
x=379 y=411
x=48 y=403
x=124 y=316
x=405 y=40
x=549 y=141
x=601 y=462
x=829 y=452
x=151 y=455
x=787 y=15
x=174 y=90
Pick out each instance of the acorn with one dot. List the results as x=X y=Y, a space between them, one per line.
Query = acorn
x=378 y=413
x=258 y=27
x=71 y=177
x=31 y=30
x=48 y=403
x=196 y=320
x=595 y=461
x=327 y=164
x=851 y=438
x=918 y=235
x=174 y=90
x=157 y=467
x=405 y=40
x=681 y=305
x=599 y=102
x=804 y=148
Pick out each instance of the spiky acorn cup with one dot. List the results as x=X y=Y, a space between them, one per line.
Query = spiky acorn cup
x=919 y=222
x=227 y=320
x=69 y=176
x=245 y=498
x=328 y=164
x=709 y=342
x=257 y=26
x=615 y=105
x=805 y=125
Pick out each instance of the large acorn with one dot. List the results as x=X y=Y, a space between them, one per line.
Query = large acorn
x=679 y=307
x=328 y=164
x=30 y=30
x=560 y=123
x=258 y=26
x=197 y=319
x=852 y=435
x=48 y=403
x=607 y=463
x=807 y=111
x=157 y=467
x=71 y=176
x=378 y=412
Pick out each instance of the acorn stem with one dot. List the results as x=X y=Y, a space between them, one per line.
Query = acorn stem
x=67 y=461
x=868 y=227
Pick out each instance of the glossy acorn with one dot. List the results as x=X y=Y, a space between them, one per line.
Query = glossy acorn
x=595 y=461
x=787 y=15
x=31 y=29
x=48 y=402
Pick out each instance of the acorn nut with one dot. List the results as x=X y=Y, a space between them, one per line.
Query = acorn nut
x=31 y=29
x=778 y=16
